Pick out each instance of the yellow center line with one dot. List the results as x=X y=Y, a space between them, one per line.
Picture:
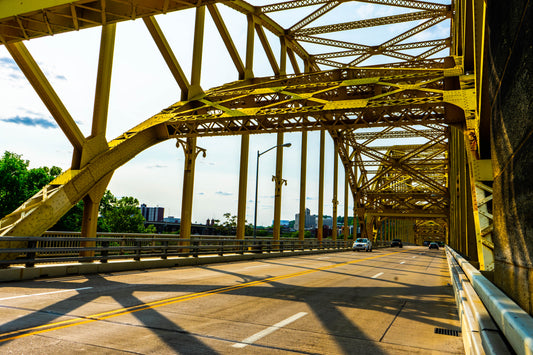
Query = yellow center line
x=150 y=305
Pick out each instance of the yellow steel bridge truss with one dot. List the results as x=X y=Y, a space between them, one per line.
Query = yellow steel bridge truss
x=440 y=184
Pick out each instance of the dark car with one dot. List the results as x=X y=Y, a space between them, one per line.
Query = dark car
x=433 y=245
x=396 y=243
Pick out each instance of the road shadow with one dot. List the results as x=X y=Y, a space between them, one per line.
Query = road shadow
x=336 y=307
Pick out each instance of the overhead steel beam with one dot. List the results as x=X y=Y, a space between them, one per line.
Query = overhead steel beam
x=44 y=89
x=421 y=5
x=268 y=50
x=379 y=21
x=226 y=37
x=316 y=14
x=168 y=55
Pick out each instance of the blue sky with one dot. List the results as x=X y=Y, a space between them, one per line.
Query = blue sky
x=142 y=86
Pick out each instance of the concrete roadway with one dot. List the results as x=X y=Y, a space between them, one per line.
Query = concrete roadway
x=386 y=302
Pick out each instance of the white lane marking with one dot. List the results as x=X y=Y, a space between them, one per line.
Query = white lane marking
x=252 y=339
x=377 y=275
x=44 y=293
x=413 y=257
x=403 y=262
x=324 y=257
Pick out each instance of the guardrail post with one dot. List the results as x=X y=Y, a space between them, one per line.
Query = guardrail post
x=292 y=245
x=165 y=250
x=257 y=246
x=221 y=250
x=137 y=251
x=281 y=246
x=241 y=246
x=195 y=248
x=269 y=246
x=105 y=252
x=32 y=244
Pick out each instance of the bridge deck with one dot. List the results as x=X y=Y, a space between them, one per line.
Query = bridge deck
x=387 y=301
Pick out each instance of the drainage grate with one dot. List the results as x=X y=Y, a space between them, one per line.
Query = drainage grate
x=445 y=331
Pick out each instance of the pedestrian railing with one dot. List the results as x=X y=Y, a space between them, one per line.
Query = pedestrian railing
x=61 y=249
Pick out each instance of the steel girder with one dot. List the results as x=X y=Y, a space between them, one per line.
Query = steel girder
x=338 y=101
x=411 y=98
x=32 y=19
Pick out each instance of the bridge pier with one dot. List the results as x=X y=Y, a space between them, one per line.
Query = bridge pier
x=303 y=181
x=320 y=224
x=279 y=181
x=243 y=184
x=335 y=188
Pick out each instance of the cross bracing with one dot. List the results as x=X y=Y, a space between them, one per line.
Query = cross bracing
x=391 y=115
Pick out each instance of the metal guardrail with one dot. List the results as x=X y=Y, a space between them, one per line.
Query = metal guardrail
x=487 y=313
x=56 y=249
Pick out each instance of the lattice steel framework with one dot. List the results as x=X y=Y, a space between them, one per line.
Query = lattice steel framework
x=405 y=91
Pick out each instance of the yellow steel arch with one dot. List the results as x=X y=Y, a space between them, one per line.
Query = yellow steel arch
x=338 y=100
x=420 y=95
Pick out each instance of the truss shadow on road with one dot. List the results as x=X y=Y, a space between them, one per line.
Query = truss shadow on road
x=337 y=308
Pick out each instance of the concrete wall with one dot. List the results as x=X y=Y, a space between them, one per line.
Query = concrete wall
x=510 y=78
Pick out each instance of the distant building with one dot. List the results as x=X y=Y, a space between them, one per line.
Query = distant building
x=328 y=221
x=171 y=219
x=310 y=221
x=284 y=222
x=152 y=214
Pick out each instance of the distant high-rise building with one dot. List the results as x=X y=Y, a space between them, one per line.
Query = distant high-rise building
x=171 y=219
x=310 y=221
x=152 y=214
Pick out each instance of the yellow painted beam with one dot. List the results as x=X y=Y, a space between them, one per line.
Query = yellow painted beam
x=283 y=56
x=168 y=55
x=226 y=37
x=278 y=179
x=44 y=89
x=268 y=50
x=243 y=184
x=196 y=71
x=250 y=36
x=335 y=191
x=188 y=188
x=9 y=8
x=103 y=80
x=320 y=232
x=303 y=183
x=294 y=62
x=91 y=206
x=346 y=231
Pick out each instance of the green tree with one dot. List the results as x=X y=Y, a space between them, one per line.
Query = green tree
x=228 y=227
x=340 y=219
x=18 y=183
x=121 y=215
x=13 y=171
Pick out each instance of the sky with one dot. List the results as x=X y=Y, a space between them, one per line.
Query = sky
x=142 y=86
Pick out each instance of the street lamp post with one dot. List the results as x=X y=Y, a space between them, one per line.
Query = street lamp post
x=257 y=180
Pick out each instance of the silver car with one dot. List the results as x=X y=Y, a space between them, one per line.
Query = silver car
x=362 y=244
